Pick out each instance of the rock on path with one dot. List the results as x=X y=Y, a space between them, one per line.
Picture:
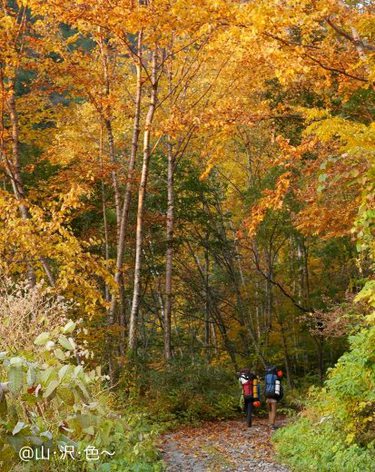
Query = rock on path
x=226 y=446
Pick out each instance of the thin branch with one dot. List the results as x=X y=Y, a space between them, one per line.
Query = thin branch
x=349 y=37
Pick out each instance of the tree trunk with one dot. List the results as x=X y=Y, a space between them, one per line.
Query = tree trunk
x=104 y=211
x=132 y=344
x=320 y=351
x=112 y=156
x=269 y=294
x=169 y=255
x=14 y=172
x=107 y=118
x=207 y=299
x=215 y=313
x=303 y=289
x=286 y=352
x=127 y=197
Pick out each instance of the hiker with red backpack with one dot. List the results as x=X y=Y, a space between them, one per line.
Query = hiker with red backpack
x=250 y=392
x=273 y=391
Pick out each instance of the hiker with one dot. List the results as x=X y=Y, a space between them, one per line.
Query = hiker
x=273 y=391
x=250 y=396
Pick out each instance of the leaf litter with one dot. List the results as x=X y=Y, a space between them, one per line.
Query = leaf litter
x=225 y=446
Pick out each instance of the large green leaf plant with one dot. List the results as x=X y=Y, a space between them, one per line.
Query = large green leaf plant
x=51 y=404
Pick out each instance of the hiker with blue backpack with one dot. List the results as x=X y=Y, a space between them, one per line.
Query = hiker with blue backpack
x=273 y=391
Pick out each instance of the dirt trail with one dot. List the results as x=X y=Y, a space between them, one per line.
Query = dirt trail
x=226 y=446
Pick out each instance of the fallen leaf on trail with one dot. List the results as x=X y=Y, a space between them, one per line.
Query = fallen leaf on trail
x=221 y=446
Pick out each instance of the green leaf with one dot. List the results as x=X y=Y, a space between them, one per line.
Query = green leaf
x=48 y=374
x=69 y=327
x=16 y=361
x=65 y=343
x=31 y=376
x=46 y=434
x=60 y=355
x=90 y=430
x=105 y=431
x=64 y=370
x=322 y=177
x=15 y=377
x=19 y=426
x=84 y=391
x=42 y=339
x=66 y=395
x=51 y=388
x=34 y=440
x=78 y=370
x=106 y=467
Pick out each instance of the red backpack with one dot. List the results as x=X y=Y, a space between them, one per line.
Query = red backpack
x=247 y=382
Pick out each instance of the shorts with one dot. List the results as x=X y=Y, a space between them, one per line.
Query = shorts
x=271 y=400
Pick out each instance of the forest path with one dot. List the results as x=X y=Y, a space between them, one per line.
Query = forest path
x=221 y=446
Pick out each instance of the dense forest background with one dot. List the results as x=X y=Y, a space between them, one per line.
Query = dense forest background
x=192 y=184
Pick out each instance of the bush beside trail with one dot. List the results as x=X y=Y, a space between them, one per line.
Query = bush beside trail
x=51 y=402
x=336 y=431
x=187 y=391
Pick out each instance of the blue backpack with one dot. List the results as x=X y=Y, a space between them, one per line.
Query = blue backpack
x=273 y=388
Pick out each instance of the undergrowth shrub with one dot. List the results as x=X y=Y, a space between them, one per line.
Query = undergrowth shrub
x=189 y=390
x=336 y=431
x=51 y=404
